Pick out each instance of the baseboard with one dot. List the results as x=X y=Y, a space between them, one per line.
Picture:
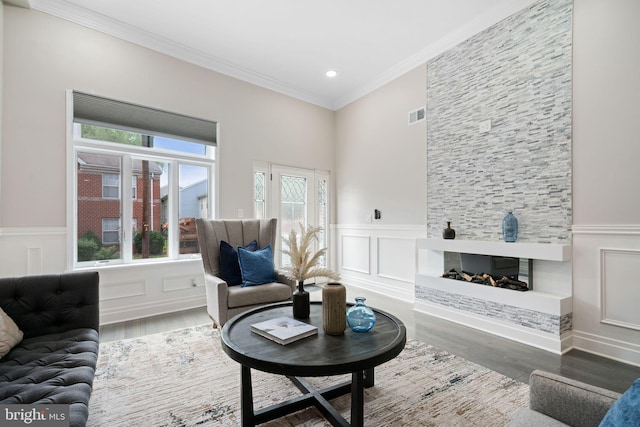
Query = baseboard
x=620 y=351
x=552 y=343
x=379 y=288
x=139 y=311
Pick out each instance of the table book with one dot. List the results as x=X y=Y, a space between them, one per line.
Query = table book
x=284 y=330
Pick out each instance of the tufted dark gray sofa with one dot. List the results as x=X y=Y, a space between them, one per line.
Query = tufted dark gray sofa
x=55 y=362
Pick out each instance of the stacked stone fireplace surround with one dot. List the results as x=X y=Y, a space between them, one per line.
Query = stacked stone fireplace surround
x=517 y=76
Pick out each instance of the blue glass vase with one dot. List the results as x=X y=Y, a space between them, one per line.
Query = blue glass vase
x=510 y=227
x=360 y=317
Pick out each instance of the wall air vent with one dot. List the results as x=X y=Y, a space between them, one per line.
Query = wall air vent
x=416 y=116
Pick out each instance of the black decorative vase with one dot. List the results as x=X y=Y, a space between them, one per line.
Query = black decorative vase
x=449 y=233
x=301 y=302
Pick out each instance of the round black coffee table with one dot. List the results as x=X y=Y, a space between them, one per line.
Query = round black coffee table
x=318 y=355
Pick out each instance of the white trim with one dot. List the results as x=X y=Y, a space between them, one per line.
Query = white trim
x=604 y=316
x=391 y=227
x=32 y=231
x=610 y=348
x=630 y=230
x=382 y=289
x=71 y=206
x=378 y=242
x=341 y=252
x=154 y=308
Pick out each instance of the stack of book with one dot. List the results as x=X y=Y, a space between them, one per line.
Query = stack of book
x=284 y=330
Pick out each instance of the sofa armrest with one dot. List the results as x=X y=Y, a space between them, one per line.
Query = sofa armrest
x=217 y=292
x=282 y=278
x=52 y=303
x=569 y=401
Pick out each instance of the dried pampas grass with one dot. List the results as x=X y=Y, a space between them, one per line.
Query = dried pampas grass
x=304 y=263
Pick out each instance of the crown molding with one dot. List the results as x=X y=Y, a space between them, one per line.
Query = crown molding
x=95 y=21
x=480 y=23
x=81 y=16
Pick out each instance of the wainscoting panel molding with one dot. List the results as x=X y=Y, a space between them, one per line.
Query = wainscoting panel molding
x=32 y=250
x=355 y=253
x=605 y=295
x=34 y=261
x=377 y=257
x=123 y=290
x=178 y=283
x=394 y=267
x=619 y=299
x=126 y=291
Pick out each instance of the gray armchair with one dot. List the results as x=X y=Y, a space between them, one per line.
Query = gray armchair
x=225 y=301
x=558 y=401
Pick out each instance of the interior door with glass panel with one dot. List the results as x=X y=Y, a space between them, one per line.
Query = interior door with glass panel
x=299 y=196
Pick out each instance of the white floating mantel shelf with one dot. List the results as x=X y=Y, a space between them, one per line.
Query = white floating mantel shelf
x=541 y=251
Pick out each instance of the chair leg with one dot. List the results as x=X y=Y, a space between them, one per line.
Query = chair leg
x=214 y=325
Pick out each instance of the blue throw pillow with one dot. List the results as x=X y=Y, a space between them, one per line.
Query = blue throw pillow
x=256 y=267
x=626 y=410
x=229 y=266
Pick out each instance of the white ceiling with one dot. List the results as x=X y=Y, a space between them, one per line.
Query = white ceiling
x=288 y=45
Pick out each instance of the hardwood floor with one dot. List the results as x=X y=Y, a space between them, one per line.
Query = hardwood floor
x=508 y=357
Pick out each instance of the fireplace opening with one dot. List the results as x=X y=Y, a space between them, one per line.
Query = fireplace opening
x=489 y=270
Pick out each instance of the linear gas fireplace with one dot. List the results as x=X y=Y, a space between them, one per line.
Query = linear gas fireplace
x=490 y=270
x=541 y=317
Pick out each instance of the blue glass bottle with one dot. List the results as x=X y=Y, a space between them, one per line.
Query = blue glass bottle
x=360 y=317
x=510 y=227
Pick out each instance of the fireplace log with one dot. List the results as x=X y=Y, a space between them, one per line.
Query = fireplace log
x=506 y=281
x=486 y=279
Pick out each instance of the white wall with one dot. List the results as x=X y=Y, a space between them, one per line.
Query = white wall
x=606 y=202
x=606 y=112
x=380 y=160
x=43 y=57
x=381 y=164
x=606 y=231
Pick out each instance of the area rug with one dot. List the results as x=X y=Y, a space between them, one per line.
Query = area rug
x=183 y=378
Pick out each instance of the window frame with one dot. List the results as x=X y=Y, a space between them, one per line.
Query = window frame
x=76 y=144
x=261 y=168
x=315 y=210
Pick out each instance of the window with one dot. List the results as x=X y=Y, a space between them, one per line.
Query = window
x=110 y=231
x=110 y=186
x=323 y=215
x=171 y=170
x=260 y=205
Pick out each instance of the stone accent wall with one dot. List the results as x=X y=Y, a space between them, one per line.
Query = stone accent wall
x=549 y=323
x=517 y=74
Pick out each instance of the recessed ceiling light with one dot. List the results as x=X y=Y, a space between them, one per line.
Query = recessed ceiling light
x=332 y=73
